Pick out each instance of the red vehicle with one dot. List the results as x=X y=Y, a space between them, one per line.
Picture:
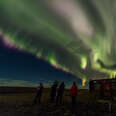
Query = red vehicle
x=105 y=86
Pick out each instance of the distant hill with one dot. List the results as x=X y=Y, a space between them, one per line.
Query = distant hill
x=17 y=89
x=5 y=90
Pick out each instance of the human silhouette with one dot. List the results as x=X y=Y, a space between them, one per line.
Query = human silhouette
x=73 y=93
x=102 y=88
x=60 y=93
x=53 y=91
x=91 y=86
x=39 y=94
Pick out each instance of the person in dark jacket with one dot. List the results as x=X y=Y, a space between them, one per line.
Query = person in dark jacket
x=73 y=93
x=39 y=94
x=53 y=91
x=60 y=93
x=91 y=86
x=102 y=89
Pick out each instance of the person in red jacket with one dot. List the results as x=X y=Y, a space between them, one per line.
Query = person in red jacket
x=73 y=93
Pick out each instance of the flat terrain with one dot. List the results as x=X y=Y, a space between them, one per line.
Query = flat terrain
x=21 y=104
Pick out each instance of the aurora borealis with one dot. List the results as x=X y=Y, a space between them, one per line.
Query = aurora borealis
x=71 y=35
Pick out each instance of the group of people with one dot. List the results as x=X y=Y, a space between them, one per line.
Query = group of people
x=56 y=93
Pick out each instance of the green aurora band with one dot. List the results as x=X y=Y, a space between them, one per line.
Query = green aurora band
x=70 y=34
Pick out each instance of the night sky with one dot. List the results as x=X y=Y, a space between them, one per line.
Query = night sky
x=19 y=68
x=56 y=39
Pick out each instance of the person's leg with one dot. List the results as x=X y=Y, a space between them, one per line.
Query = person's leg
x=36 y=98
x=60 y=100
x=51 y=97
x=73 y=104
x=39 y=99
x=72 y=101
x=57 y=99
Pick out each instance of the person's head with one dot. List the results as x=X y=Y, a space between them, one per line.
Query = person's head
x=74 y=83
x=55 y=82
x=41 y=84
x=62 y=83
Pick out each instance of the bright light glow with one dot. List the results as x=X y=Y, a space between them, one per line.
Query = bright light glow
x=113 y=75
x=84 y=82
x=60 y=31
x=83 y=62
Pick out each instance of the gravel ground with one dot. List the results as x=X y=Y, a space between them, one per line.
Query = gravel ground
x=27 y=109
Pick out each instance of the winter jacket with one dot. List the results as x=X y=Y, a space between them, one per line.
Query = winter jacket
x=73 y=90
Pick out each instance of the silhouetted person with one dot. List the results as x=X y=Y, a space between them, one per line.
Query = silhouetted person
x=60 y=93
x=91 y=86
x=102 y=88
x=73 y=93
x=53 y=91
x=39 y=94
